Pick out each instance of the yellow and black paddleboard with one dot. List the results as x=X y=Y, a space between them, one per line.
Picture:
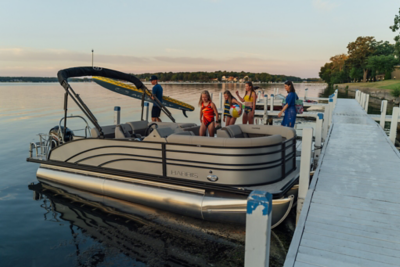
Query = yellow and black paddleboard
x=132 y=91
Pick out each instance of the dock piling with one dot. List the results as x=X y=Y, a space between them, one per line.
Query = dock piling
x=265 y=116
x=271 y=108
x=318 y=135
x=221 y=106
x=325 y=124
x=383 y=113
x=335 y=97
x=258 y=229
x=393 y=124
x=147 y=104
x=331 y=107
x=357 y=96
x=117 y=115
x=305 y=163
x=305 y=94
x=366 y=103
x=362 y=100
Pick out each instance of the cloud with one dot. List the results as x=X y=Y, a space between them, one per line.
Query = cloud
x=323 y=5
x=31 y=62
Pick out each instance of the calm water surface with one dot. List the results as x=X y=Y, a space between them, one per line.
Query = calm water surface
x=60 y=229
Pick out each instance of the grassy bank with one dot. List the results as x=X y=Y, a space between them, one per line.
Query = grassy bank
x=388 y=85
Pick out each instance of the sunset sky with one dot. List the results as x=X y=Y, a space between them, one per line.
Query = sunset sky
x=37 y=38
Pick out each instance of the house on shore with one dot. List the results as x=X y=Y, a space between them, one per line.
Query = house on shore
x=396 y=73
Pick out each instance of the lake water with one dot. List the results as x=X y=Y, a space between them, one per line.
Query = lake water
x=59 y=229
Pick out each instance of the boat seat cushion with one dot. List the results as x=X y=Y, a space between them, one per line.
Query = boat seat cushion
x=225 y=142
x=194 y=129
x=184 y=133
x=109 y=131
x=123 y=131
x=222 y=133
x=286 y=132
x=234 y=131
x=138 y=127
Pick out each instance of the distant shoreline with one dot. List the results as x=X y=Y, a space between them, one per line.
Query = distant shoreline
x=165 y=83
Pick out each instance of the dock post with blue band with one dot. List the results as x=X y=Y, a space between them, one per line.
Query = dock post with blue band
x=117 y=115
x=318 y=135
x=258 y=229
x=146 y=104
x=331 y=108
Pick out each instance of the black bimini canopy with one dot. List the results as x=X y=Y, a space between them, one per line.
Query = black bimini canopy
x=63 y=76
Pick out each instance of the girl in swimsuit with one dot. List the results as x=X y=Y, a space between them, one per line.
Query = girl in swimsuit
x=207 y=113
x=229 y=101
x=249 y=103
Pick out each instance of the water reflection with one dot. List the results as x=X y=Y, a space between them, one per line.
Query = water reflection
x=123 y=233
x=144 y=235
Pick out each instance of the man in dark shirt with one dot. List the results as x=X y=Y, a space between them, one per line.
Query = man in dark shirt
x=158 y=93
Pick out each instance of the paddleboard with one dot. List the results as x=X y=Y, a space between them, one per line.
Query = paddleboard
x=132 y=91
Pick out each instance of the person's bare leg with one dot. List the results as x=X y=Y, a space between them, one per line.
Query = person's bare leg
x=251 y=118
x=232 y=122
x=202 y=131
x=245 y=118
x=211 y=129
x=228 y=121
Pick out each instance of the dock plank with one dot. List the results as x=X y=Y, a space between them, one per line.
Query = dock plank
x=353 y=210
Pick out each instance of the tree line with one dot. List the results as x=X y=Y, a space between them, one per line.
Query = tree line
x=217 y=76
x=182 y=76
x=365 y=59
x=39 y=79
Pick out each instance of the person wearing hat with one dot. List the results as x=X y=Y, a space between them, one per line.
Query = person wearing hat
x=158 y=93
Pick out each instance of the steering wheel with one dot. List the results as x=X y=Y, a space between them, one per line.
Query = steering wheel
x=147 y=132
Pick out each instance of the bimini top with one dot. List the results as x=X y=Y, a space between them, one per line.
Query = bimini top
x=63 y=76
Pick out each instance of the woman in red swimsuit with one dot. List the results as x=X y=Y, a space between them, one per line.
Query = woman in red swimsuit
x=207 y=113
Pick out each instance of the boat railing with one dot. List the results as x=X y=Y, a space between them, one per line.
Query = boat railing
x=43 y=147
x=61 y=133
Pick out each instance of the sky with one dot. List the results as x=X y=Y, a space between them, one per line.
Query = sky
x=291 y=37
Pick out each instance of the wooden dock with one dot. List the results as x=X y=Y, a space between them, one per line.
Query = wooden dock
x=351 y=214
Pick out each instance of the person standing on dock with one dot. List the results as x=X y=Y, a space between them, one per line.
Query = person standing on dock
x=249 y=100
x=157 y=92
x=290 y=107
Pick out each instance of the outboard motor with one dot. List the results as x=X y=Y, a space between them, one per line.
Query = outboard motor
x=55 y=135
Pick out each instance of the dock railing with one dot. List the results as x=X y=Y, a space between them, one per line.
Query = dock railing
x=363 y=100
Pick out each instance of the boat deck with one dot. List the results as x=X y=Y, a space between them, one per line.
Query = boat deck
x=351 y=213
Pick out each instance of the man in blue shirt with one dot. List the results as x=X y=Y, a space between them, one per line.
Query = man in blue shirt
x=158 y=93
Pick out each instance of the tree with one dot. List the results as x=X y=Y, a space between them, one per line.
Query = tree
x=394 y=28
x=338 y=62
x=326 y=72
x=359 y=51
x=381 y=64
x=382 y=48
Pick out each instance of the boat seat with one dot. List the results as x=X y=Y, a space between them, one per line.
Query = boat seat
x=123 y=131
x=183 y=133
x=224 y=142
x=138 y=127
x=194 y=129
x=109 y=131
x=234 y=131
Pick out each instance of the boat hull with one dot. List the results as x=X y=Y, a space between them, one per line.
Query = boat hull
x=205 y=204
